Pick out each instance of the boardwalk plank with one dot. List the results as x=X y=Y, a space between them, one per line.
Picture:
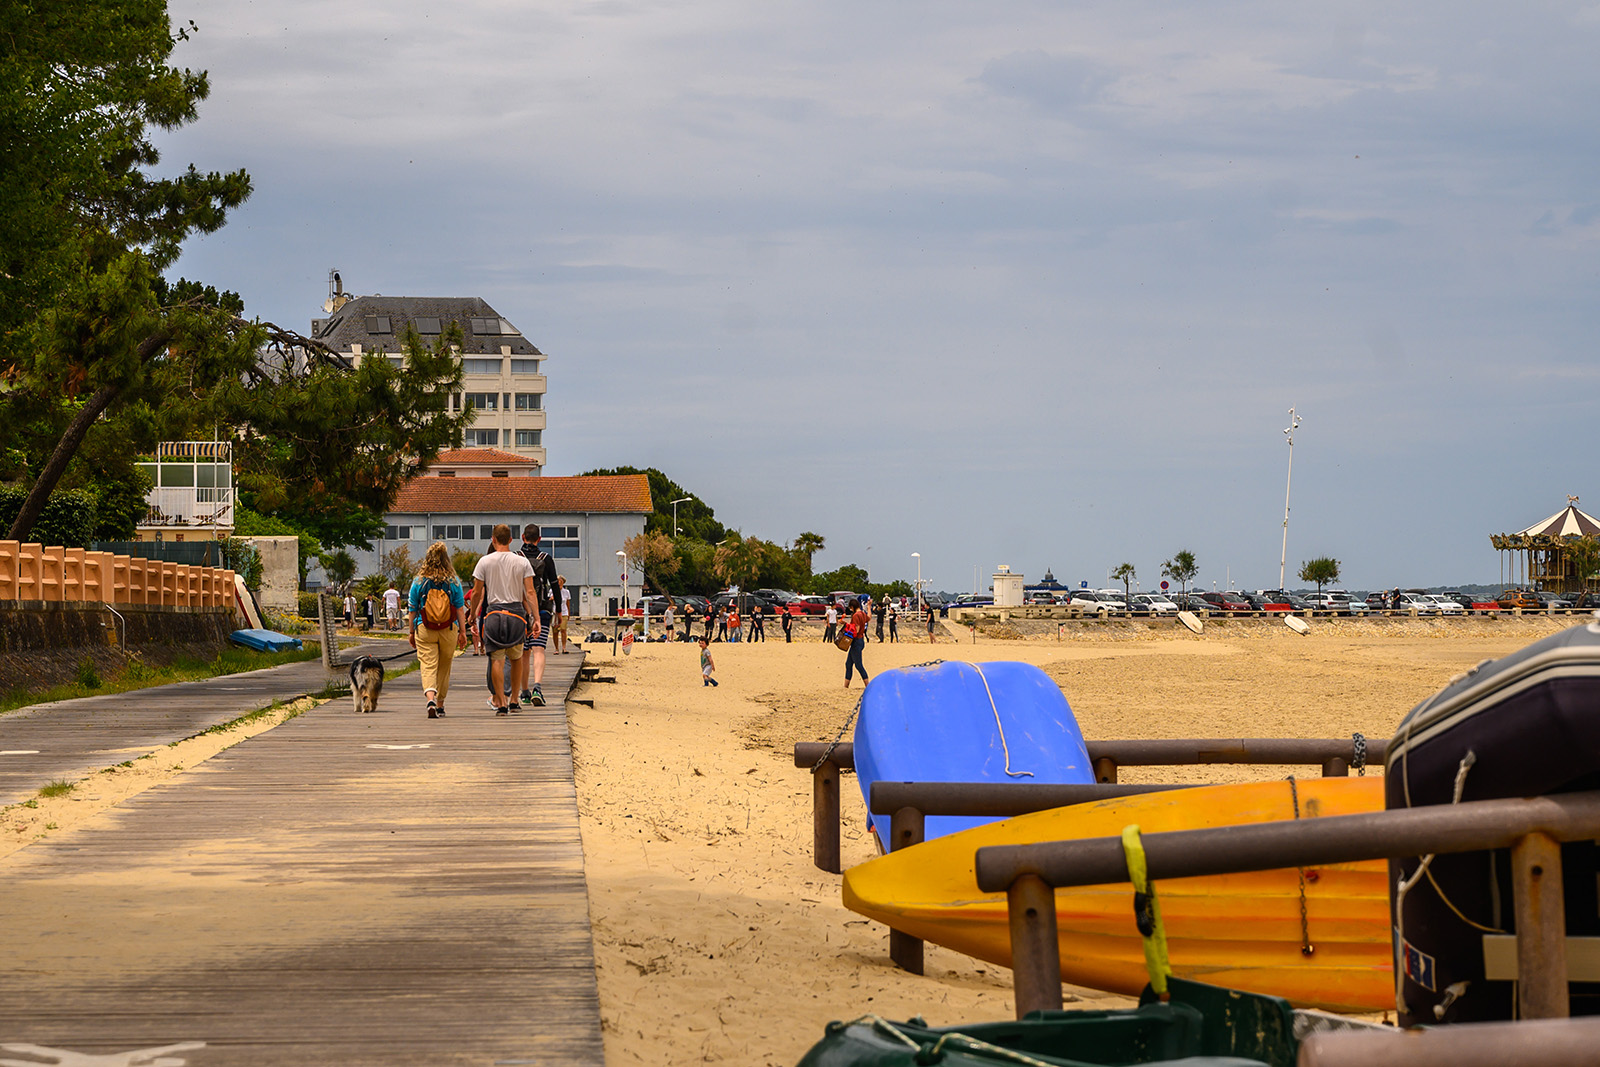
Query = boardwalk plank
x=306 y=899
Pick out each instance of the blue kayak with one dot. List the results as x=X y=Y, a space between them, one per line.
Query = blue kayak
x=966 y=722
x=264 y=640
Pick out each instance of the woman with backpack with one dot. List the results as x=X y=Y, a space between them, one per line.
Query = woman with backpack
x=436 y=619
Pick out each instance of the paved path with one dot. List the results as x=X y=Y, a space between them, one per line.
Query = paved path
x=69 y=739
x=350 y=889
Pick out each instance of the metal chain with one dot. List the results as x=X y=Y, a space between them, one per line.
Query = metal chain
x=839 y=737
x=1359 y=760
x=1306 y=948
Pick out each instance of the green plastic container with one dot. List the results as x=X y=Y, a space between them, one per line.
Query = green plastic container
x=1201 y=1026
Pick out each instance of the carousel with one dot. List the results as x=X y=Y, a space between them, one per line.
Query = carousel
x=1560 y=554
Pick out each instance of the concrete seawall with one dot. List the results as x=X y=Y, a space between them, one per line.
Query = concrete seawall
x=44 y=642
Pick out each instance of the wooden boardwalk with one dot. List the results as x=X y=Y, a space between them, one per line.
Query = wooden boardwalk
x=343 y=889
x=73 y=738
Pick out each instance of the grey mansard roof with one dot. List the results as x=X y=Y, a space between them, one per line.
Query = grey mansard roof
x=483 y=329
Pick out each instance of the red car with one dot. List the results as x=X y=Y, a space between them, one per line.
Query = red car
x=1226 y=602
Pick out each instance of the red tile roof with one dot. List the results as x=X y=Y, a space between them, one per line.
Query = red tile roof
x=480 y=455
x=521 y=496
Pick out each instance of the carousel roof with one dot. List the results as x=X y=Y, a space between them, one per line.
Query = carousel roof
x=1568 y=522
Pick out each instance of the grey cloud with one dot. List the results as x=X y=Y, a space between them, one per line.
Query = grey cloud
x=1051 y=82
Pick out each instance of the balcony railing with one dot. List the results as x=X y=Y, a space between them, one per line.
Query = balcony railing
x=189 y=506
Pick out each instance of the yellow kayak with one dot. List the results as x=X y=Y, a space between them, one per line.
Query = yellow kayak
x=1243 y=931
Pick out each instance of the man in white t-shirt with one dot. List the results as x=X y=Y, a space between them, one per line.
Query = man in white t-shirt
x=504 y=579
x=562 y=616
x=391 y=606
x=349 y=610
x=833 y=623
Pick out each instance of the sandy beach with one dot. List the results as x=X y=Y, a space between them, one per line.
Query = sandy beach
x=716 y=939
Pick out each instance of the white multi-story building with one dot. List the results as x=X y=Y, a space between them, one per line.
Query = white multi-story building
x=191 y=491
x=503 y=373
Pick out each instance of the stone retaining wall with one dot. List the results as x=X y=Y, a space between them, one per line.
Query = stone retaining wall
x=43 y=643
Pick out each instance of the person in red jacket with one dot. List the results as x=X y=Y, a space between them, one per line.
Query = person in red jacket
x=858 y=641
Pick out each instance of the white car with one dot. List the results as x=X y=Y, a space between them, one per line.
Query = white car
x=1089 y=600
x=1446 y=605
x=1153 y=603
x=1419 y=603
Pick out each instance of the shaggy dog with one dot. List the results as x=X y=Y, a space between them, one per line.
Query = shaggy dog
x=366 y=682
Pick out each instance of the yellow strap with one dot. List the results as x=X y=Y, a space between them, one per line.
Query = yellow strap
x=1153 y=930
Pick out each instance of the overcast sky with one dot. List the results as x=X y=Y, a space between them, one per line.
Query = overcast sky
x=1032 y=284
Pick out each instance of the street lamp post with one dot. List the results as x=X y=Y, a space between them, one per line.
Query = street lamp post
x=1283 y=560
x=918 y=557
x=675 y=504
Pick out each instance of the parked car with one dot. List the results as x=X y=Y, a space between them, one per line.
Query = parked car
x=1092 y=600
x=1519 y=598
x=1447 y=606
x=1151 y=604
x=1418 y=602
x=1377 y=601
x=1192 y=602
x=1226 y=600
x=747 y=602
x=1552 y=600
x=1040 y=596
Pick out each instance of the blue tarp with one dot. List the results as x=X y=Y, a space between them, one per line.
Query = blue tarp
x=264 y=640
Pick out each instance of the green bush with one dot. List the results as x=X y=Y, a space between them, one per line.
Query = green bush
x=308 y=605
x=68 y=518
x=88 y=677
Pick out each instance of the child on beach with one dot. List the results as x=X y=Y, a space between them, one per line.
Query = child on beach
x=706 y=666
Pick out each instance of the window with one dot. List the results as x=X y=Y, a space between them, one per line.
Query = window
x=438 y=533
x=487 y=327
x=455 y=401
x=482 y=366
x=428 y=325
x=378 y=324
x=524 y=366
x=399 y=362
x=560 y=541
x=397 y=533
x=528 y=438
x=508 y=329
x=499 y=474
x=481 y=438
x=447 y=474
x=530 y=401
x=483 y=401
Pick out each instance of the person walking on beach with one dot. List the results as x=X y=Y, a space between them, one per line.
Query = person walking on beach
x=933 y=620
x=436 y=619
x=758 y=623
x=710 y=611
x=666 y=620
x=545 y=585
x=857 y=627
x=502 y=586
x=894 y=621
x=788 y=627
x=831 y=633
x=563 y=612
x=722 y=623
x=734 y=623
x=879 y=610
x=706 y=666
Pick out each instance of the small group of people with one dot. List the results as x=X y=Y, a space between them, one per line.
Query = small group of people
x=518 y=606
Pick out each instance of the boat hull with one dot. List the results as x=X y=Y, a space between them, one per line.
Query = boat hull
x=1242 y=931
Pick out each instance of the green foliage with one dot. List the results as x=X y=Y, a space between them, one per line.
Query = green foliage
x=1320 y=571
x=1181 y=568
x=465 y=563
x=250 y=523
x=849 y=577
x=1583 y=558
x=654 y=555
x=243 y=559
x=809 y=544
x=339 y=566
x=88 y=676
x=56 y=788
x=696 y=519
x=398 y=567
x=69 y=518
x=307 y=603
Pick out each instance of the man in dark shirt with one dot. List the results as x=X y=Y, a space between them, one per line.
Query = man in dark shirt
x=544 y=584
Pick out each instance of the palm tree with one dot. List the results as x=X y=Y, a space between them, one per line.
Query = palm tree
x=1181 y=568
x=809 y=544
x=1125 y=574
